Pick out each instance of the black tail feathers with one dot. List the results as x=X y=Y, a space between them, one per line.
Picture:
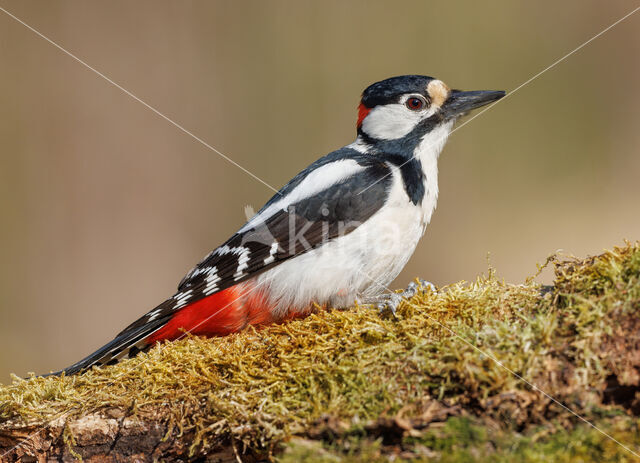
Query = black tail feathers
x=126 y=345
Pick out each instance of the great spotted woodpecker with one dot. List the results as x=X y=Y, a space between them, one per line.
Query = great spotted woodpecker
x=339 y=231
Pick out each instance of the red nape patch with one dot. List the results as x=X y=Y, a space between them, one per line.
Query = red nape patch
x=362 y=113
x=220 y=314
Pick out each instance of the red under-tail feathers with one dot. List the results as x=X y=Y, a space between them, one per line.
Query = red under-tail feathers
x=219 y=314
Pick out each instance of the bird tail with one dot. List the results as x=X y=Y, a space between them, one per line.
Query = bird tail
x=218 y=314
x=126 y=345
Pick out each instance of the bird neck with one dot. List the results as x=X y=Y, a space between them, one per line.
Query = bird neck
x=415 y=155
x=424 y=143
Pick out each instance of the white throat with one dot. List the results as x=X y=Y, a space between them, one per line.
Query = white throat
x=427 y=152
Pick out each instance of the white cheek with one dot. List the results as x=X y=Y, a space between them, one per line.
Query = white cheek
x=390 y=121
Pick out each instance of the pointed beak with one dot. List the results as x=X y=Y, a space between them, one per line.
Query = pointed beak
x=459 y=103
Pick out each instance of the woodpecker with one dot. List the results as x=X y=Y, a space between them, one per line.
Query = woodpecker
x=339 y=232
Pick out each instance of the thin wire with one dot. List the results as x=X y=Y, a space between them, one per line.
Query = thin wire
x=269 y=186
x=533 y=386
x=68 y=412
x=139 y=100
x=443 y=138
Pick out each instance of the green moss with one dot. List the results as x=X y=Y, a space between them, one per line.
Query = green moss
x=462 y=440
x=354 y=367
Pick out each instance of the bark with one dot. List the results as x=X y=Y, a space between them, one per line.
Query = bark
x=113 y=437
x=101 y=438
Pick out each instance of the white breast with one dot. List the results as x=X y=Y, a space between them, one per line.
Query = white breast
x=362 y=263
x=357 y=265
x=428 y=152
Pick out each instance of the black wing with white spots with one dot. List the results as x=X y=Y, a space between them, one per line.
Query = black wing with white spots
x=304 y=225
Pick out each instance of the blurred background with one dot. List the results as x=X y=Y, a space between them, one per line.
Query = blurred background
x=105 y=205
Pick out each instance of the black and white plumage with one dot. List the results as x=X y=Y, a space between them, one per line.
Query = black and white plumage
x=339 y=231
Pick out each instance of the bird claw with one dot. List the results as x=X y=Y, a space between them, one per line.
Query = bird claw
x=392 y=301
x=413 y=287
x=428 y=285
x=389 y=302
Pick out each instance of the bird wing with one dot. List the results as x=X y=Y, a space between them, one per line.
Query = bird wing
x=332 y=197
x=310 y=210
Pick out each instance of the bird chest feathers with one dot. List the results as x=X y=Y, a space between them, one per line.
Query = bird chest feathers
x=340 y=230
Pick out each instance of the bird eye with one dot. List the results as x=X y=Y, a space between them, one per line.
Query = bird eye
x=415 y=103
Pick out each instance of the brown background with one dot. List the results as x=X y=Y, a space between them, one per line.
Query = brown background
x=105 y=205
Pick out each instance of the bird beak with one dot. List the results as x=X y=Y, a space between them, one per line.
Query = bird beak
x=460 y=102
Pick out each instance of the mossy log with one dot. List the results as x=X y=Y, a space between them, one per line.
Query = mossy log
x=486 y=371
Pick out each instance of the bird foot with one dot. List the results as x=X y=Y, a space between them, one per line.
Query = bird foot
x=392 y=301
x=389 y=302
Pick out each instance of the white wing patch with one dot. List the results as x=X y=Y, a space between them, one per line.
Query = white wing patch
x=318 y=180
x=212 y=280
x=182 y=299
x=243 y=262
x=272 y=253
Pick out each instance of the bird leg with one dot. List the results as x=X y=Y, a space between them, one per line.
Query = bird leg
x=391 y=301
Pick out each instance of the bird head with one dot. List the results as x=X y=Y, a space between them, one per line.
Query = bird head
x=413 y=106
